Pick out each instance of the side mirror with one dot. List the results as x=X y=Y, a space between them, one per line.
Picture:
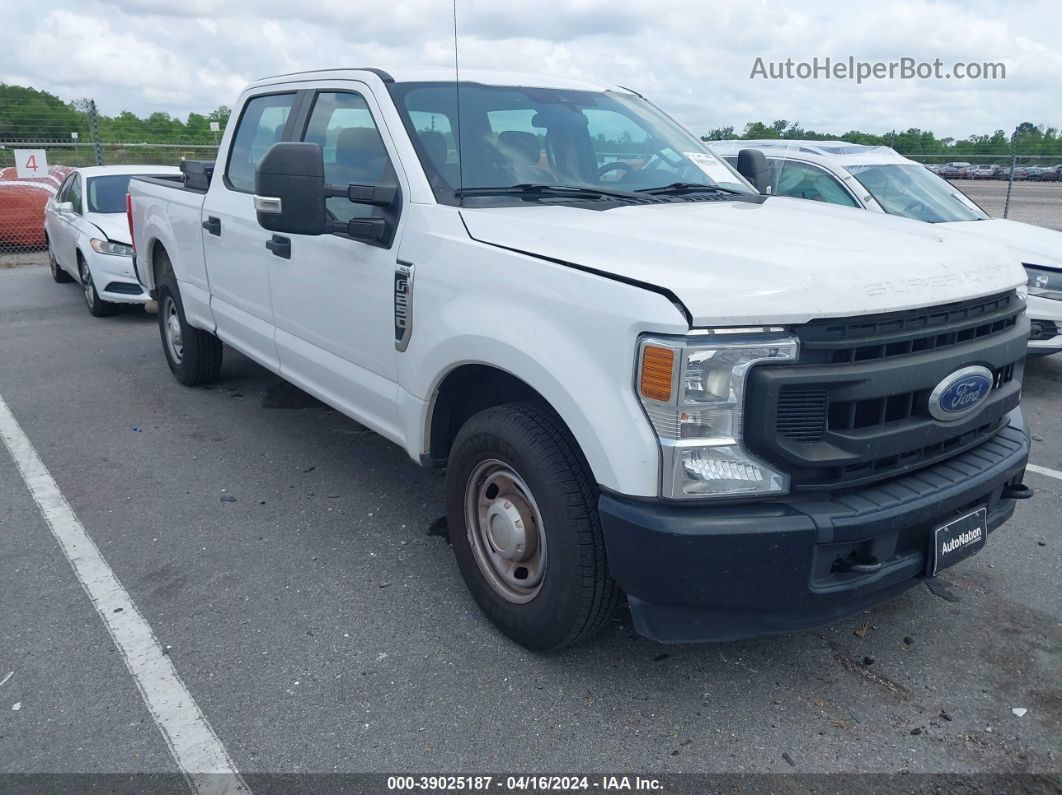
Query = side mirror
x=289 y=189
x=65 y=208
x=290 y=193
x=753 y=166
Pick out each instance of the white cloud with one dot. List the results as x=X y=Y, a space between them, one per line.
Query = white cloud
x=693 y=57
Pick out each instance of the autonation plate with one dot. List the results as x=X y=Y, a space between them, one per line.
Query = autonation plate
x=958 y=539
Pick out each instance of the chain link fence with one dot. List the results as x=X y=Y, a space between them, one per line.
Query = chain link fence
x=41 y=142
x=1019 y=186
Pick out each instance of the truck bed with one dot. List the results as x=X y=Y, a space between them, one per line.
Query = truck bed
x=195 y=176
x=166 y=214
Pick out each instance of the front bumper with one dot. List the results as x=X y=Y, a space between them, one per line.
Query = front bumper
x=698 y=573
x=116 y=280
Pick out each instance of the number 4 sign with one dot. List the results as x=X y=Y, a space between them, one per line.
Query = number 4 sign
x=31 y=163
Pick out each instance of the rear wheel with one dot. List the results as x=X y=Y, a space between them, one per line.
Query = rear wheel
x=97 y=306
x=59 y=275
x=194 y=355
x=522 y=512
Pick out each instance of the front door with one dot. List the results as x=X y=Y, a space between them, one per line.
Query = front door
x=333 y=300
x=64 y=245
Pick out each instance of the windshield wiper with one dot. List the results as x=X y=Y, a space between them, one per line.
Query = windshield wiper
x=678 y=188
x=529 y=189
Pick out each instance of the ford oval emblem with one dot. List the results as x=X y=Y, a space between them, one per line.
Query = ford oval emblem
x=960 y=393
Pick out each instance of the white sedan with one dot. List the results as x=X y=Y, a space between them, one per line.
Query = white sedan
x=87 y=233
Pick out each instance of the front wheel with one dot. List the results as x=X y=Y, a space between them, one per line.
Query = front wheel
x=194 y=355
x=97 y=307
x=521 y=506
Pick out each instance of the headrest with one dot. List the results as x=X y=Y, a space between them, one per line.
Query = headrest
x=524 y=143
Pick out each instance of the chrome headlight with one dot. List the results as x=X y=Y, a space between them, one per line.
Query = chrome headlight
x=110 y=247
x=1044 y=283
x=693 y=391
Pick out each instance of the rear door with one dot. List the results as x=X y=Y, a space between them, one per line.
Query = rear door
x=233 y=242
x=333 y=299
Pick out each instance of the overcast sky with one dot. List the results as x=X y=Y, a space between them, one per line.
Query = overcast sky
x=693 y=58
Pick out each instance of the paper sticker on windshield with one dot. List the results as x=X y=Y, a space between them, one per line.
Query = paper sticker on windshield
x=711 y=166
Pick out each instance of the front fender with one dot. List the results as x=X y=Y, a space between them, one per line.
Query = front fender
x=575 y=347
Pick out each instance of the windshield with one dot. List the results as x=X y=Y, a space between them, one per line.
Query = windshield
x=915 y=192
x=513 y=136
x=107 y=194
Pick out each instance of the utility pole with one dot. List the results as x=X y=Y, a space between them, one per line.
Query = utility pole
x=1010 y=180
x=94 y=131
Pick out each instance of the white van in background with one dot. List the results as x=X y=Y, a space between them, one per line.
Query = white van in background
x=877 y=178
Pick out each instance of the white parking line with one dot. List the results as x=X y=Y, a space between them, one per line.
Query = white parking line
x=1039 y=470
x=197 y=750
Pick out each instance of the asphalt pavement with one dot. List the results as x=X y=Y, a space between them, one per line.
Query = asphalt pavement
x=281 y=554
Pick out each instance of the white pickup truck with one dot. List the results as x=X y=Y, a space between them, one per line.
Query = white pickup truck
x=749 y=414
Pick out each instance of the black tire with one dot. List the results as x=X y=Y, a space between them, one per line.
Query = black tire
x=59 y=276
x=196 y=359
x=576 y=596
x=97 y=307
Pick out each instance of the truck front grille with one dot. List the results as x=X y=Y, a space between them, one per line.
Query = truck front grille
x=805 y=414
x=855 y=408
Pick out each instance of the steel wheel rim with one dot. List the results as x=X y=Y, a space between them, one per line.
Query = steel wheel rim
x=172 y=329
x=505 y=531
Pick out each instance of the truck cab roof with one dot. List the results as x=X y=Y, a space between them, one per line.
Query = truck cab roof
x=428 y=74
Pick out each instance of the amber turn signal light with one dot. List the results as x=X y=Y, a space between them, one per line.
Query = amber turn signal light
x=658 y=364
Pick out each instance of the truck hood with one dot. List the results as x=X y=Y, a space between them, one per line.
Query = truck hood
x=114 y=225
x=1033 y=245
x=739 y=263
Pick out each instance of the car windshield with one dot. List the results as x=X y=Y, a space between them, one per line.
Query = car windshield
x=537 y=139
x=914 y=192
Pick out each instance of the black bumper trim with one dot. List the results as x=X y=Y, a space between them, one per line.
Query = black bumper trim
x=722 y=572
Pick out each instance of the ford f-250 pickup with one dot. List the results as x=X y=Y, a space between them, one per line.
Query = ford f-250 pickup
x=747 y=413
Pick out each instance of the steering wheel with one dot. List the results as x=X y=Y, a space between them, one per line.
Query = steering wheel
x=615 y=164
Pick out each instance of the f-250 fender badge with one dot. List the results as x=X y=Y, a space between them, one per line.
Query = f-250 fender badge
x=403 y=304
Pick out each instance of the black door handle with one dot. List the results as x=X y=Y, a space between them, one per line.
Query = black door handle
x=212 y=224
x=280 y=246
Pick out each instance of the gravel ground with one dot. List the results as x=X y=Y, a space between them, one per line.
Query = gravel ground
x=1031 y=202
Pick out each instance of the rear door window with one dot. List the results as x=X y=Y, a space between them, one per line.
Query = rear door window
x=261 y=125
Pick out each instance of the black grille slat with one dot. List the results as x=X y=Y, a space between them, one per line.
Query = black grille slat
x=901 y=334
x=802 y=414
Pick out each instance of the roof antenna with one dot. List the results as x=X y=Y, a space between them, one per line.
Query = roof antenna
x=457 y=136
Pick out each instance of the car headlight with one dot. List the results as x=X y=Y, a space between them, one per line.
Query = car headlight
x=693 y=391
x=1044 y=283
x=110 y=247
